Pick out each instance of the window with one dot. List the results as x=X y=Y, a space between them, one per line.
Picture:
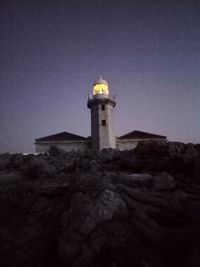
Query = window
x=102 y=107
x=103 y=122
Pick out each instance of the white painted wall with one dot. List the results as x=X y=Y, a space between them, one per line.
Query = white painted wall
x=102 y=136
x=43 y=147
x=126 y=144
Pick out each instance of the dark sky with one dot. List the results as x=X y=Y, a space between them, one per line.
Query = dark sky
x=52 y=51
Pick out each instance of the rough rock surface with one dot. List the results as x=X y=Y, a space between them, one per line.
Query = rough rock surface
x=136 y=208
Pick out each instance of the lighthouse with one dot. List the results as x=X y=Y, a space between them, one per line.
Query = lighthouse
x=101 y=105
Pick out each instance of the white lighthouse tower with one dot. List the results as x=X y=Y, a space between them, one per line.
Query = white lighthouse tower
x=101 y=104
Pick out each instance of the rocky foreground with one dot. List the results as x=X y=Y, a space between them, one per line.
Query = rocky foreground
x=137 y=208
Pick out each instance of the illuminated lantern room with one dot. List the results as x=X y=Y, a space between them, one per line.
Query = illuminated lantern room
x=100 y=87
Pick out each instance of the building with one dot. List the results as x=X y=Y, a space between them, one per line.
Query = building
x=63 y=140
x=130 y=140
x=101 y=105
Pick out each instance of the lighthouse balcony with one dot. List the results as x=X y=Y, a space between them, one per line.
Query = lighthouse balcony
x=100 y=99
x=100 y=96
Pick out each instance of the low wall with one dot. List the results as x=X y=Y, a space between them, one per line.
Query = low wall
x=43 y=147
x=126 y=144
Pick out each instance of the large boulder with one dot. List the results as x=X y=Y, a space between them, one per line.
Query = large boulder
x=176 y=148
x=37 y=167
x=164 y=181
x=191 y=150
x=151 y=147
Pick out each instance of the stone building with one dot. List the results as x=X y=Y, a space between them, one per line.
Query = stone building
x=101 y=104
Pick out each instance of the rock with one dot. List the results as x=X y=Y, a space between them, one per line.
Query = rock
x=94 y=209
x=134 y=179
x=17 y=161
x=164 y=181
x=151 y=147
x=196 y=171
x=197 y=147
x=37 y=167
x=3 y=163
x=55 y=151
x=176 y=148
x=130 y=165
x=190 y=149
x=94 y=166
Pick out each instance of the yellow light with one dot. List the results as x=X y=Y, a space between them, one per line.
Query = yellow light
x=100 y=89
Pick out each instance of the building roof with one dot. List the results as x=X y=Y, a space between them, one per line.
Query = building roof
x=100 y=80
x=63 y=136
x=141 y=135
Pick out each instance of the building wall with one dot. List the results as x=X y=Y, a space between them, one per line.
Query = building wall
x=107 y=136
x=126 y=144
x=43 y=147
x=102 y=136
x=95 y=134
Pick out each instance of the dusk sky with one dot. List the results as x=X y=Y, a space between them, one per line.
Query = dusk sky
x=52 y=51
